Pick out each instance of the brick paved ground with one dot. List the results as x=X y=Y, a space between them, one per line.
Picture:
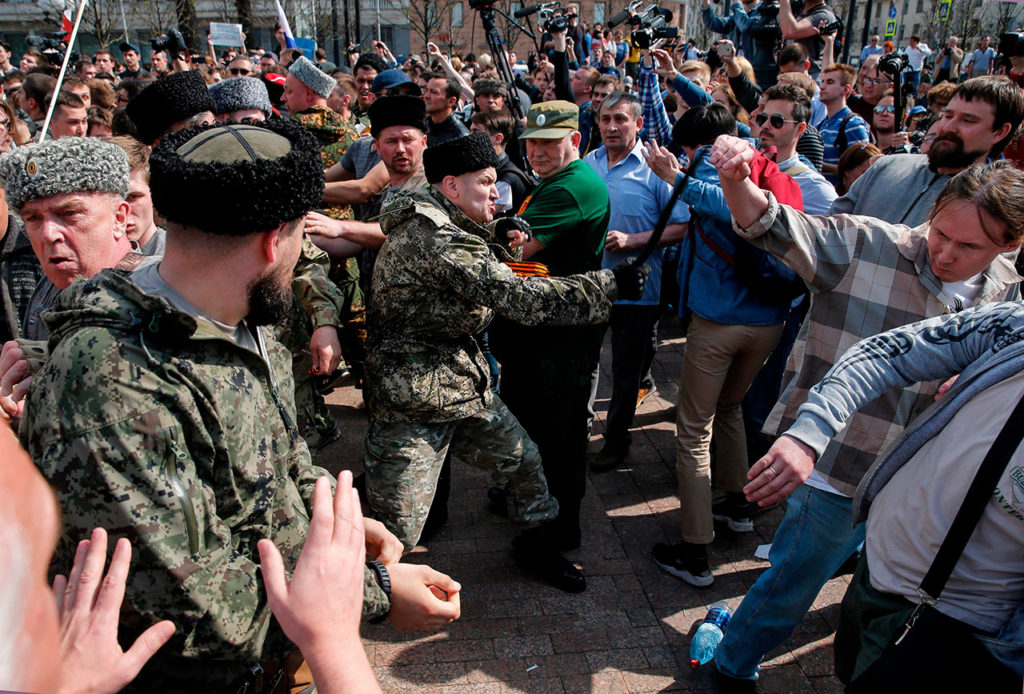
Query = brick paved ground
x=630 y=631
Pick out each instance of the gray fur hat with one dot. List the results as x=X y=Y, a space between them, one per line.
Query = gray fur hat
x=240 y=93
x=313 y=77
x=67 y=165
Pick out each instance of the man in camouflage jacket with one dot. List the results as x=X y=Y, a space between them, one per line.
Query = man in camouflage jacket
x=438 y=283
x=166 y=420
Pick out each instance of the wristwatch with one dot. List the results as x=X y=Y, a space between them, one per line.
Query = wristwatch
x=380 y=572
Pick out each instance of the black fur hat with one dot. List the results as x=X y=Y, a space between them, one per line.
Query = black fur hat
x=397 y=110
x=170 y=99
x=458 y=156
x=237 y=179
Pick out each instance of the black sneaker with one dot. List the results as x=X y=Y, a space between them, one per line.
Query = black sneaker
x=735 y=510
x=686 y=561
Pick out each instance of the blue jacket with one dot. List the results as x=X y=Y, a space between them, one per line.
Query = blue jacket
x=708 y=284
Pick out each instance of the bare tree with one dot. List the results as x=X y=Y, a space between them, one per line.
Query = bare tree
x=1005 y=18
x=156 y=16
x=102 y=19
x=429 y=18
x=188 y=23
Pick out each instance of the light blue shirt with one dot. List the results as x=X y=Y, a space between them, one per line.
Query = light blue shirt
x=637 y=198
x=815 y=189
x=869 y=50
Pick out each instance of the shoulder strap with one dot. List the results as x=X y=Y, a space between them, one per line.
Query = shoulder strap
x=796 y=170
x=841 y=136
x=978 y=495
x=718 y=250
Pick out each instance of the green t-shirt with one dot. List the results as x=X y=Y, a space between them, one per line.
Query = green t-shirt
x=569 y=215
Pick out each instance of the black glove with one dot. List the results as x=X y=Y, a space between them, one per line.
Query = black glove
x=630 y=279
x=504 y=225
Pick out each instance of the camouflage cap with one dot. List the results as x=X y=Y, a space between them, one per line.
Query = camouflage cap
x=67 y=165
x=551 y=120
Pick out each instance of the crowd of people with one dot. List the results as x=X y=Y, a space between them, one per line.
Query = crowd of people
x=195 y=251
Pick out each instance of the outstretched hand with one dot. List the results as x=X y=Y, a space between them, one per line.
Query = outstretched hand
x=89 y=607
x=786 y=465
x=662 y=162
x=323 y=602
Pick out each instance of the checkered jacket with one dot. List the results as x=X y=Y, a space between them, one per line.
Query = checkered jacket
x=865 y=276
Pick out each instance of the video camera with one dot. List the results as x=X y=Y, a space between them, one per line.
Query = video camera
x=651 y=22
x=1011 y=44
x=553 y=19
x=893 y=63
x=172 y=42
x=51 y=45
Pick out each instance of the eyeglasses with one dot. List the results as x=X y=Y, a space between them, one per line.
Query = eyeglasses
x=776 y=119
x=5 y=125
x=872 y=80
x=240 y=71
x=885 y=109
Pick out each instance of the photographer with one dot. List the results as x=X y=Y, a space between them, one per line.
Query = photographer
x=804 y=29
x=755 y=30
x=916 y=53
x=948 y=66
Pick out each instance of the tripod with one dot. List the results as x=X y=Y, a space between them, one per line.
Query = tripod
x=496 y=44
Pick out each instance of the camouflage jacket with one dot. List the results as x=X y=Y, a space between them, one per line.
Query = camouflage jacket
x=334 y=135
x=319 y=296
x=438 y=283
x=156 y=426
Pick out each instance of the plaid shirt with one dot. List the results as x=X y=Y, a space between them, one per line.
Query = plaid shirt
x=652 y=108
x=866 y=276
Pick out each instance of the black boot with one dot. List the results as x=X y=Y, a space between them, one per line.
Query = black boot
x=536 y=554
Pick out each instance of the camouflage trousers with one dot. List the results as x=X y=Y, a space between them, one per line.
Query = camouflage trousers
x=403 y=460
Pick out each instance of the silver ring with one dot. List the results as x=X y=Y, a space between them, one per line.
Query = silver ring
x=771 y=470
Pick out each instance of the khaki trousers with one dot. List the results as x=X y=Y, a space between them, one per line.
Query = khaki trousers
x=719 y=364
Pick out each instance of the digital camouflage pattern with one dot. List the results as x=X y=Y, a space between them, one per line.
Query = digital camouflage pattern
x=318 y=302
x=335 y=135
x=156 y=426
x=437 y=283
x=403 y=461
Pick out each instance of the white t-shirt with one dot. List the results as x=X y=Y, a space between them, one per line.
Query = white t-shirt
x=910 y=517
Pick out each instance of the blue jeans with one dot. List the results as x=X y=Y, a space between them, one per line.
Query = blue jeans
x=814 y=539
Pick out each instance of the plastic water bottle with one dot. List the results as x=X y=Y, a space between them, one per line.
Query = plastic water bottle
x=709 y=634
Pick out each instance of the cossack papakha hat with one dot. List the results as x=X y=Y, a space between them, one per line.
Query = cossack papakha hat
x=306 y=71
x=168 y=100
x=66 y=165
x=397 y=110
x=456 y=157
x=240 y=93
x=237 y=179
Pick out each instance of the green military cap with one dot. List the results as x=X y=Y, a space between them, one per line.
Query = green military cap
x=551 y=120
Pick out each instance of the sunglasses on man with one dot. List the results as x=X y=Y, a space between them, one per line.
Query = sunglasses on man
x=236 y=71
x=776 y=119
x=885 y=109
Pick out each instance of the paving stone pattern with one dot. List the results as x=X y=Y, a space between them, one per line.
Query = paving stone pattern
x=630 y=631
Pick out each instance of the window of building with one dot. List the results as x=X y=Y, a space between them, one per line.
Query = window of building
x=920 y=6
x=457 y=14
x=599 y=9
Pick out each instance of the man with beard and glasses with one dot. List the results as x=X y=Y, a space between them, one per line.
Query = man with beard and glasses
x=976 y=125
x=866 y=276
x=165 y=414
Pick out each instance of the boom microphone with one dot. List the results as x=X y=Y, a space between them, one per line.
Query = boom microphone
x=531 y=9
